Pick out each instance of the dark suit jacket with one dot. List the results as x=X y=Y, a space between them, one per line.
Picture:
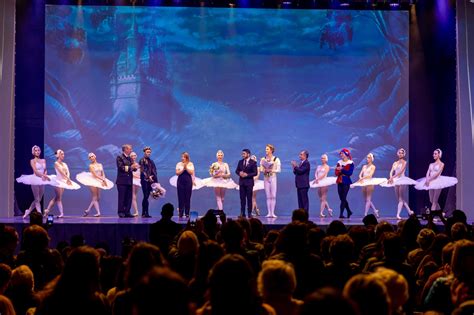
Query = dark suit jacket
x=124 y=178
x=302 y=175
x=147 y=169
x=250 y=169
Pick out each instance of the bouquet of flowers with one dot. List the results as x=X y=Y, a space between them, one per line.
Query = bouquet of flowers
x=157 y=191
x=214 y=169
x=268 y=168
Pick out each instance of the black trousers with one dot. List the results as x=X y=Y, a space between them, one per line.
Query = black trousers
x=245 y=196
x=124 y=199
x=303 y=200
x=343 y=190
x=184 y=198
x=146 y=188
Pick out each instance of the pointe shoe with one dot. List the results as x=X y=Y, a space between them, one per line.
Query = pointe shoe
x=46 y=212
x=321 y=215
x=61 y=215
x=257 y=212
x=330 y=212
x=27 y=213
x=135 y=214
x=86 y=213
x=377 y=214
x=399 y=217
x=97 y=215
x=411 y=212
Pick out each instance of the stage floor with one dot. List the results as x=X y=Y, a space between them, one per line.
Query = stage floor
x=279 y=221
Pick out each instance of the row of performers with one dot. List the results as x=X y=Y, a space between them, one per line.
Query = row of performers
x=143 y=174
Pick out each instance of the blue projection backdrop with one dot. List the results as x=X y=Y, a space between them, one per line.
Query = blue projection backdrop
x=203 y=79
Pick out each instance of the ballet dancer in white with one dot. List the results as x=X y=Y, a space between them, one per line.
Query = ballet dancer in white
x=434 y=182
x=37 y=180
x=322 y=182
x=96 y=181
x=270 y=165
x=220 y=179
x=137 y=185
x=60 y=181
x=399 y=181
x=367 y=182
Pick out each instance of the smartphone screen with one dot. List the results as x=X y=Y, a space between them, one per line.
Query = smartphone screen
x=193 y=216
x=50 y=220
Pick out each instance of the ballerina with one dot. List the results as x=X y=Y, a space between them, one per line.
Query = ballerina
x=270 y=165
x=322 y=183
x=220 y=179
x=60 y=181
x=398 y=180
x=367 y=182
x=95 y=179
x=136 y=184
x=37 y=180
x=434 y=182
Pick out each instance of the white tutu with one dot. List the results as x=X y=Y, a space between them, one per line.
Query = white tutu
x=33 y=180
x=400 y=181
x=86 y=179
x=137 y=182
x=197 y=182
x=257 y=185
x=439 y=183
x=62 y=184
x=219 y=182
x=327 y=181
x=369 y=182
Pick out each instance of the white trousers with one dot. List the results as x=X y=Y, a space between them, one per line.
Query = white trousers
x=270 y=185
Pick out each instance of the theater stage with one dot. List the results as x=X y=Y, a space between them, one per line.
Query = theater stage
x=113 y=230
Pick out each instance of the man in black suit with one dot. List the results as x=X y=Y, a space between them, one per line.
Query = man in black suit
x=124 y=181
x=246 y=169
x=148 y=177
x=301 y=171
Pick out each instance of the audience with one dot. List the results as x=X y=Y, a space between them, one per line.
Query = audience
x=21 y=290
x=233 y=289
x=182 y=258
x=291 y=247
x=161 y=291
x=143 y=257
x=5 y=276
x=6 y=306
x=397 y=288
x=239 y=268
x=45 y=263
x=163 y=231
x=277 y=284
x=368 y=294
x=327 y=301
x=8 y=244
x=76 y=290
